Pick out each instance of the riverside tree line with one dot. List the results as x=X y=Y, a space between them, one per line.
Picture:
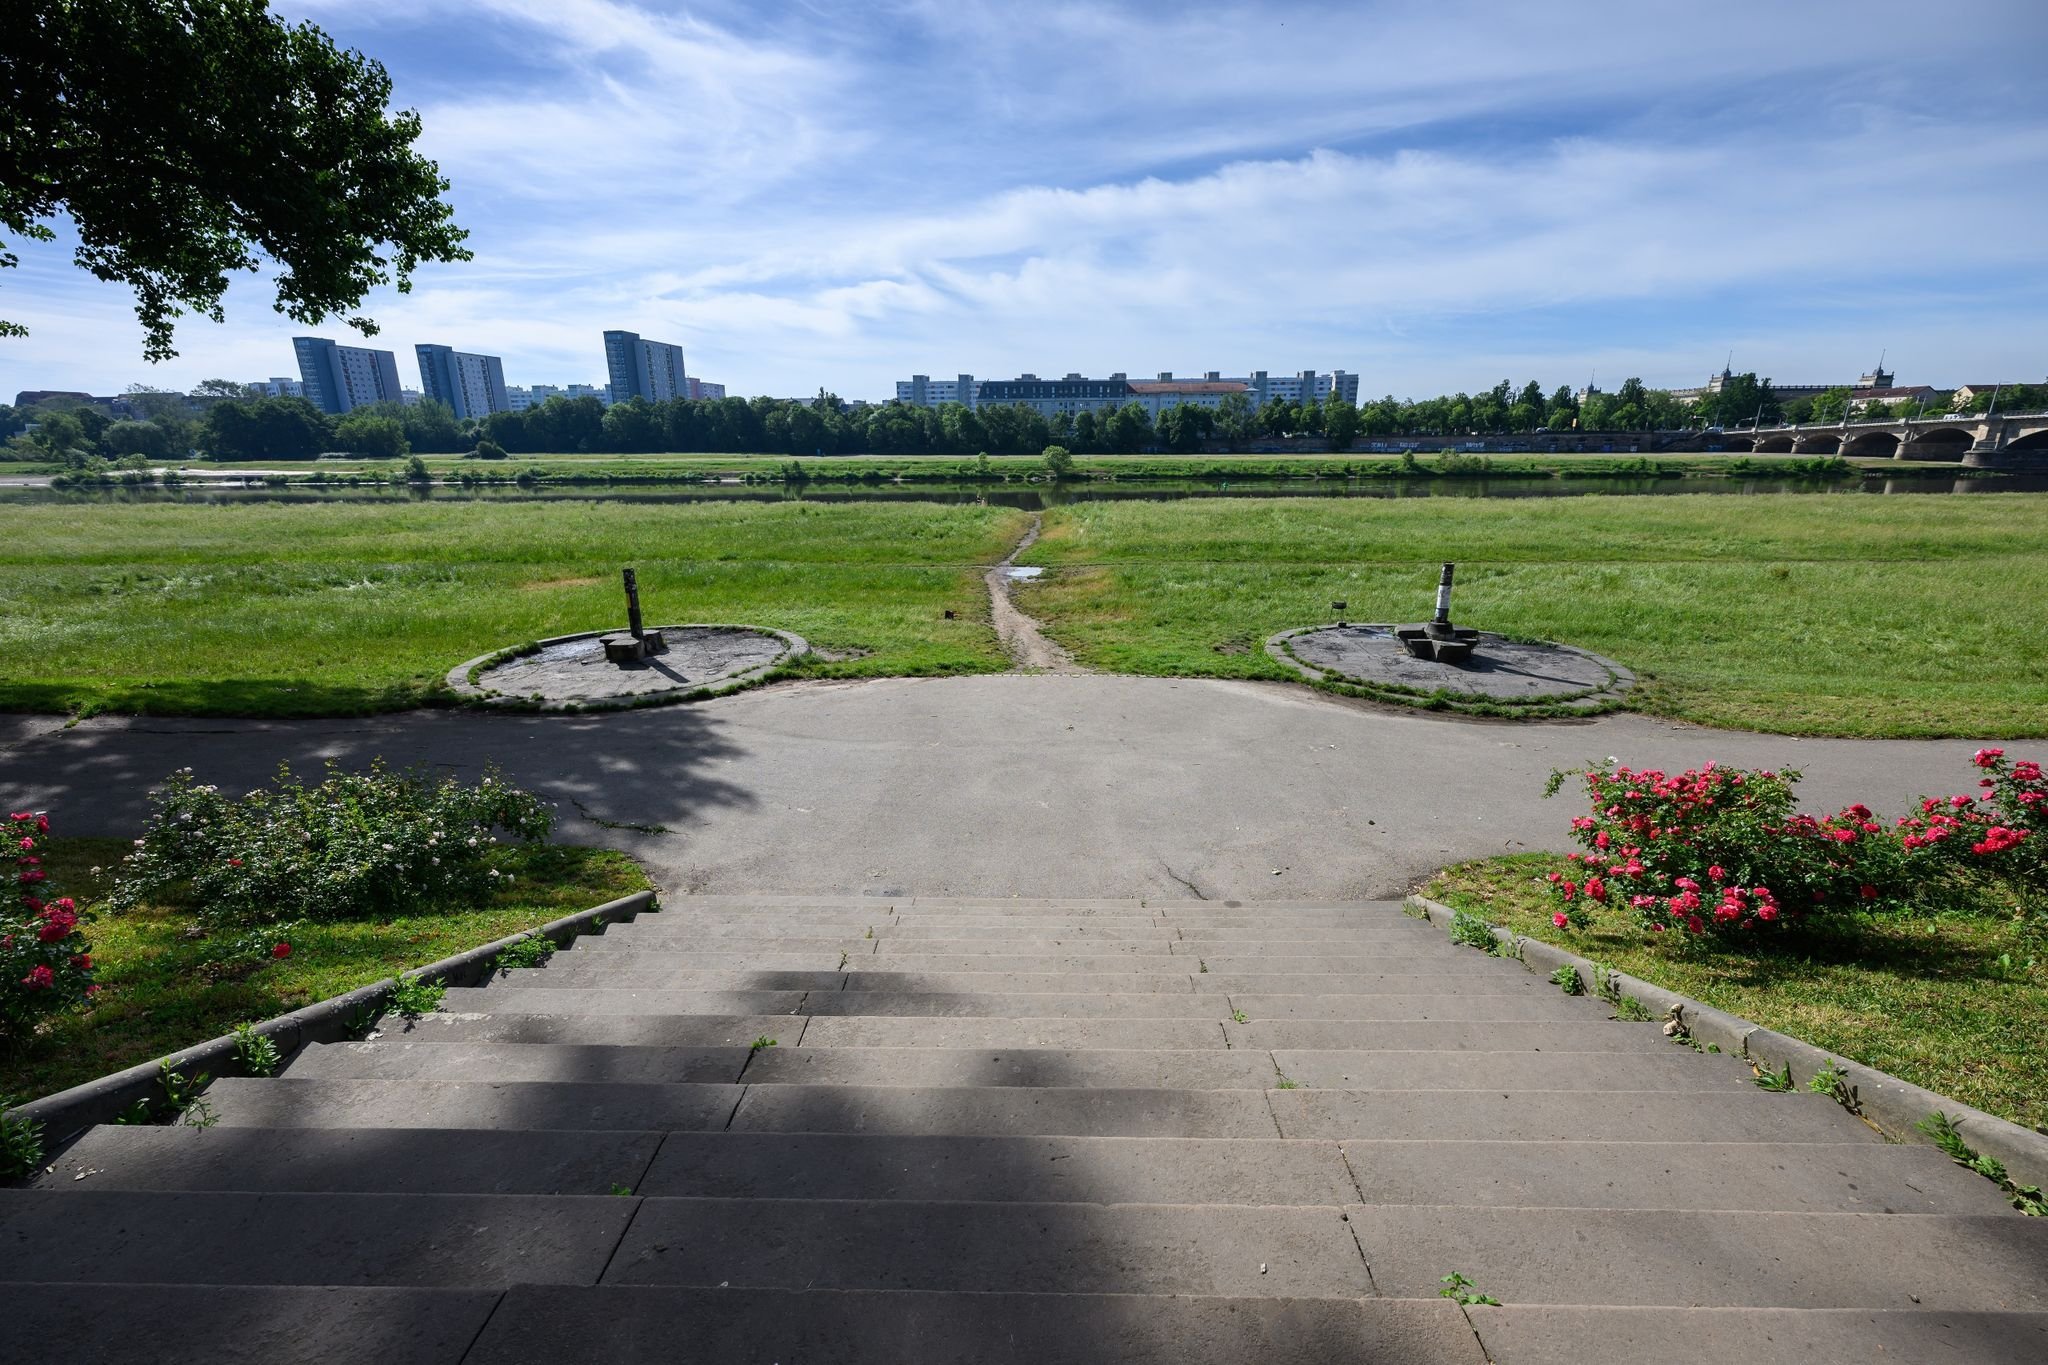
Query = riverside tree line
x=216 y=421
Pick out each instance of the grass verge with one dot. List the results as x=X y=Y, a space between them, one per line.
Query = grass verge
x=1954 y=1002
x=269 y=610
x=159 y=993
x=1796 y=614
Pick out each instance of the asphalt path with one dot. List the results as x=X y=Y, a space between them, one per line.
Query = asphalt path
x=1009 y=784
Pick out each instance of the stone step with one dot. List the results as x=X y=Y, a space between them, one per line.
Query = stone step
x=709 y=958
x=1542 y=1335
x=1515 y=1007
x=1348 y=946
x=1365 y=1035
x=238 y=1238
x=1157 y=945
x=339 y=1102
x=187 y=1324
x=571 y=973
x=1675 y=1258
x=988 y=1110
x=1188 y=1069
x=1781 y=1177
x=641 y=973
x=496 y=999
x=1305 y=1252
x=999 y=1168
x=546 y=1325
x=1563 y=1116
x=664 y=1030
x=355 y=1160
x=1679 y=1069
x=683 y=1030
x=894 y=959
x=1462 y=978
x=403 y=1059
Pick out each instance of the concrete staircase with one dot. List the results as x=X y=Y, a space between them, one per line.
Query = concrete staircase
x=1015 y=1131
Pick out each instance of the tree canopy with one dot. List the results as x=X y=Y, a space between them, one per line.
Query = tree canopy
x=187 y=139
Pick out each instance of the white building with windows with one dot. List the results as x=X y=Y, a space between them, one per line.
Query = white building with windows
x=1076 y=394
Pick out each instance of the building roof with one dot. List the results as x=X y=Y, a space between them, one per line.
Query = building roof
x=1156 y=386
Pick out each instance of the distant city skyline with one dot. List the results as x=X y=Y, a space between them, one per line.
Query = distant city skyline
x=830 y=194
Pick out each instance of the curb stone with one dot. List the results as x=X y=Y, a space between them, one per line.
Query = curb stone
x=68 y=1113
x=1885 y=1102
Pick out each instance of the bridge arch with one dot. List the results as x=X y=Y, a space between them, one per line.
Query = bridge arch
x=1943 y=443
x=1880 y=443
x=2033 y=440
x=1779 y=444
x=1825 y=443
x=1737 y=445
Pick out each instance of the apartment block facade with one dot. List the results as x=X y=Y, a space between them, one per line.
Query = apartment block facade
x=639 y=368
x=339 y=378
x=471 y=385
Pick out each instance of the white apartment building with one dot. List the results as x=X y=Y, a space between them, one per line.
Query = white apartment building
x=922 y=391
x=1074 y=394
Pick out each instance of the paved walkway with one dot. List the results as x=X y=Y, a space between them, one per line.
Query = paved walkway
x=994 y=785
x=1016 y=1132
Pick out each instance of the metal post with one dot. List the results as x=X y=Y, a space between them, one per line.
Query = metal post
x=633 y=605
x=1443 y=596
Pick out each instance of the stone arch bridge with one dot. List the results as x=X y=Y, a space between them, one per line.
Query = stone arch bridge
x=2006 y=441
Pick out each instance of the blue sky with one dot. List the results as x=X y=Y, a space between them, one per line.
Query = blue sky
x=1435 y=195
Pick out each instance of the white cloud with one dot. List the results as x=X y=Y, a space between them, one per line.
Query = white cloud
x=840 y=194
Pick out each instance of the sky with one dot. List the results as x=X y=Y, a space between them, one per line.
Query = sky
x=1435 y=195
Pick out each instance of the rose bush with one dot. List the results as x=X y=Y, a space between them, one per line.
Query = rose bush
x=1716 y=851
x=359 y=845
x=45 y=961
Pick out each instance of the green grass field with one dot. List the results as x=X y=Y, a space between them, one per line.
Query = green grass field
x=1797 y=614
x=159 y=992
x=1957 y=1003
x=268 y=609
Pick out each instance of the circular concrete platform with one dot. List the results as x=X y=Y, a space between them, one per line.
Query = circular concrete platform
x=569 y=672
x=1501 y=675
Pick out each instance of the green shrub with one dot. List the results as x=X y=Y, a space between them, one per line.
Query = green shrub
x=359 y=845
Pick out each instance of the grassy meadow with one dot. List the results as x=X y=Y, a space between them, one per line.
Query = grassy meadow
x=271 y=609
x=1955 y=1002
x=1795 y=614
x=161 y=991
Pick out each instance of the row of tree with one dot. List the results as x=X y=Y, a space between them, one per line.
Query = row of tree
x=172 y=426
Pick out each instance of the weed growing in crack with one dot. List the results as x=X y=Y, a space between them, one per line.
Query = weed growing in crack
x=622 y=1191
x=844 y=958
x=1567 y=980
x=1460 y=1291
x=1833 y=1081
x=21 y=1144
x=1240 y=1016
x=1777 y=1082
x=1287 y=1083
x=256 y=1053
x=763 y=1041
x=2028 y=1199
x=412 y=998
x=530 y=950
x=1472 y=931
x=1203 y=964
x=1630 y=1010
